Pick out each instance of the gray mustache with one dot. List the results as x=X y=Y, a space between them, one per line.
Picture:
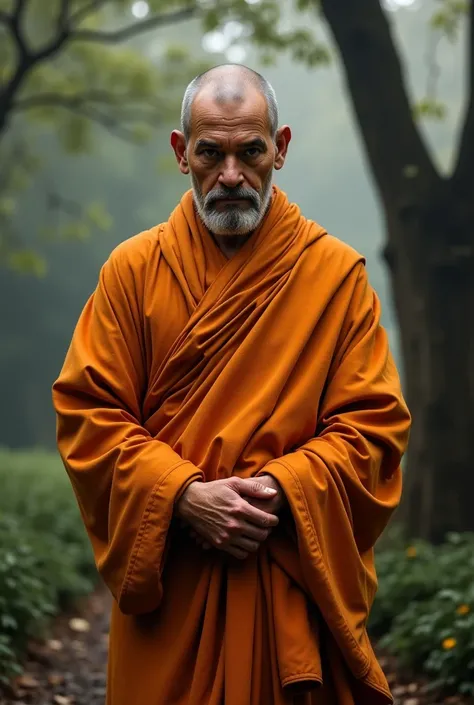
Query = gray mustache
x=237 y=193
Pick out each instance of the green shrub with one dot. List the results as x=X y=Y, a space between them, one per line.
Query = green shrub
x=45 y=558
x=424 y=611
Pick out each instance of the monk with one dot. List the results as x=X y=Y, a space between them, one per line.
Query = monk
x=232 y=423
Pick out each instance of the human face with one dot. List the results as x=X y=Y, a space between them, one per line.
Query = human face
x=231 y=156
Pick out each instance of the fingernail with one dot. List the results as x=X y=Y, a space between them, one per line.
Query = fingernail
x=270 y=490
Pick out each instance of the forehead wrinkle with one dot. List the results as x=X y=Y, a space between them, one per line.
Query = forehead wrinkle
x=205 y=119
x=232 y=105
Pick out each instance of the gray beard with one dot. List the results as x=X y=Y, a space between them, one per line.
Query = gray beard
x=233 y=220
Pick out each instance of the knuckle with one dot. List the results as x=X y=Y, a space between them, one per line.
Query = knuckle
x=240 y=509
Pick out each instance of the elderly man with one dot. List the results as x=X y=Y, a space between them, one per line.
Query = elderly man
x=232 y=423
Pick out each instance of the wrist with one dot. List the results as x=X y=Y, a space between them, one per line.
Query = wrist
x=184 y=504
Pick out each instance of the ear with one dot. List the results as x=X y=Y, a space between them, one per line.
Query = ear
x=282 y=140
x=178 y=143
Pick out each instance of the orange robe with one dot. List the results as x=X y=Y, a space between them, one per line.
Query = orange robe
x=186 y=366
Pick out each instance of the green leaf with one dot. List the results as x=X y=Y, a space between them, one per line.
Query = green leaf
x=211 y=20
x=27 y=262
x=430 y=109
x=99 y=216
x=75 y=134
x=76 y=231
x=7 y=206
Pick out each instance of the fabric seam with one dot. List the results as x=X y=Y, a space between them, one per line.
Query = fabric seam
x=314 y=534
x=301 y=677
x=144 y=525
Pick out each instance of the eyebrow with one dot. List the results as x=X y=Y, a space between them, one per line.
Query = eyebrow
x=209 y=144
x=257 y=142
x=206 y=144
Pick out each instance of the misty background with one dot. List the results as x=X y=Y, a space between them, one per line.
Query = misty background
x=325 y=173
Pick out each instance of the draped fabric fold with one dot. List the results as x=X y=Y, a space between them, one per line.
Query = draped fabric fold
x=187 y=366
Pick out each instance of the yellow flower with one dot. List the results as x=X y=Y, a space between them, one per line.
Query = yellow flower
x=463 y=609
x=411 y=552
x=449 y=643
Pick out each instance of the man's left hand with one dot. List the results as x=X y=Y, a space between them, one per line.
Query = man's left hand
x=276 y=503
x=272 y=506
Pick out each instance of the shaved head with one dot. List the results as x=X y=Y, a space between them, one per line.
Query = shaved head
x=228 y=83
x=229 y=144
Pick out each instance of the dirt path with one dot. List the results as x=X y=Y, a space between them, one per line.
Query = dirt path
x=70 y=668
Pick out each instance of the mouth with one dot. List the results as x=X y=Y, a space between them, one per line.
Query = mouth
x=223 y=202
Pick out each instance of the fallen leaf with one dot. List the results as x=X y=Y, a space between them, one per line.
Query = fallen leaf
x=63 y=700
x=399 y=690
x=54 y=645
x=27 y=681
x=55 y=679
x=412 y=701
x=79 y=625
x=412 y=688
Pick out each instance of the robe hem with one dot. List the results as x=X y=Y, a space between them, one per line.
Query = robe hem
x=361 y=671
x=297 y=677
x=143 y=528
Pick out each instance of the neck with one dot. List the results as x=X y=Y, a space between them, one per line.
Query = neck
x=229 y=245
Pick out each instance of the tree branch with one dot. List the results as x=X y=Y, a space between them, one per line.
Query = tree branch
x=464 y=170
x=120 y=35
x=111 y=123
x=376 y=84
x=19 y=7
x=91 y=105
x=83 y=12
x=52 y=100
x=63 y=14
x=16 y=29
x=124 y=105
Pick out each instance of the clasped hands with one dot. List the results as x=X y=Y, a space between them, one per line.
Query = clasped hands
x=234 y=515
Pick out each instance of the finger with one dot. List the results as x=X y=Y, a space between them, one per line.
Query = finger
x=236 y=552
x=252 y=488
x=245 y=544
x=254 y=532
x=271 y=506
x=256 y=516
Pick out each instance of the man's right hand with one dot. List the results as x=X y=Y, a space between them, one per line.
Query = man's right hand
x=219 y=513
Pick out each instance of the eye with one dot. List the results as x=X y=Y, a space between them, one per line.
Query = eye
x=210 y=153
x=252 y=152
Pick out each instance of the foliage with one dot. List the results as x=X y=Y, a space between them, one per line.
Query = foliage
x=424 y=611
x=71 y=65
x=45 y=559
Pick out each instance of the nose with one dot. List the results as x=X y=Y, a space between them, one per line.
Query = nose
x=231 y=175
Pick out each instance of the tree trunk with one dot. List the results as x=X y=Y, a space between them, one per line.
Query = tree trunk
x=430 y=253
x=431 y=259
